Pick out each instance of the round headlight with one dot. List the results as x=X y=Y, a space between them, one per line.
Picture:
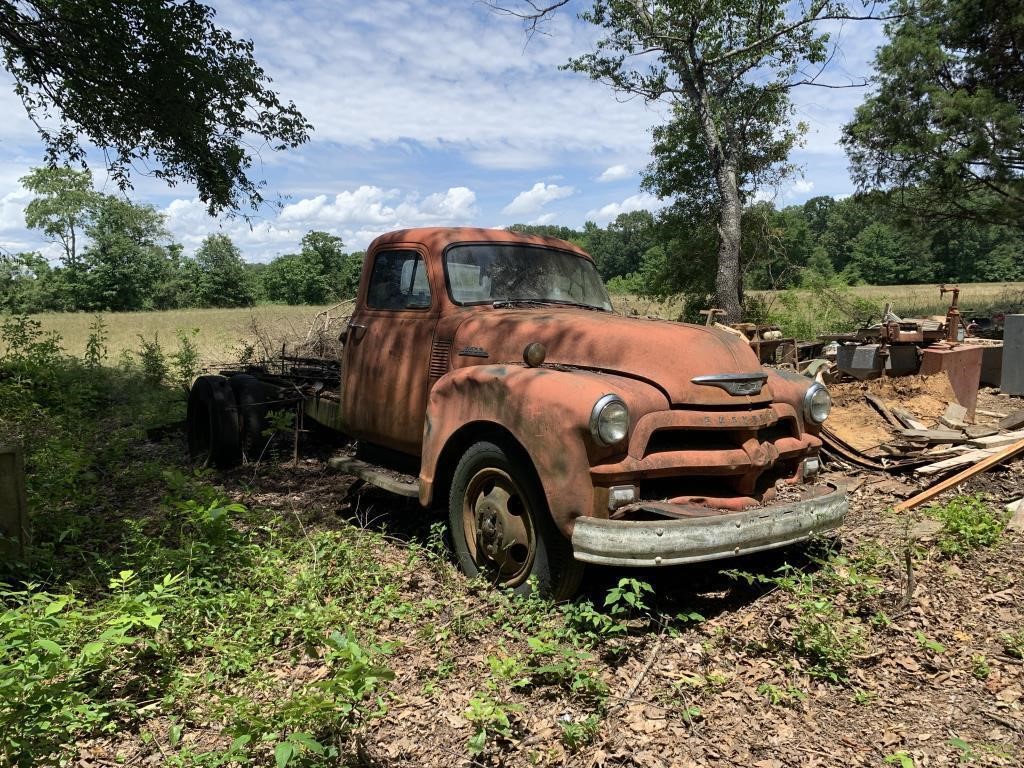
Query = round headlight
x=817 y=404
x=609 y=421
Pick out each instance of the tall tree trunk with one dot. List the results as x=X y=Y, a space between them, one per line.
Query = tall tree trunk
x=723 y=163
x=730 y=213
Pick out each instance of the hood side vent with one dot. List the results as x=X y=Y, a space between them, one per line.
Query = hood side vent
x=440 y=357
x=736 y=384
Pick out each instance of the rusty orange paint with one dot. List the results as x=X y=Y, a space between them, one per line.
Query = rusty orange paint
x=413 y=378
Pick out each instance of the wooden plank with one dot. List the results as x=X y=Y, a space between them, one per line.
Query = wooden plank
x=13 y=504
x=907 y=419
x=997 y=441
x=882 y=409
x=997 y=458
x=955 y=462
x=1014 y=421
x=376 y=477
x=934 y=435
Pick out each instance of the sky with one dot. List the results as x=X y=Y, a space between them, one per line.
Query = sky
x=439 y=113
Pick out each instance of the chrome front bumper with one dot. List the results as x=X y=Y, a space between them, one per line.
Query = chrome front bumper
x=697 y=539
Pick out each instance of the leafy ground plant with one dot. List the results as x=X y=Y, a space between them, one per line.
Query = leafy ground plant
x=968 y=523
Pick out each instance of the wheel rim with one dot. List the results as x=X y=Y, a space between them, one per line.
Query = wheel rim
x=499 y=526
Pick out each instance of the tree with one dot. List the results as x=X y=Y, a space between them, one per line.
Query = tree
x=945 y=124
x=126 y=258
x=64 y=202
x=222 y=278
x=147 y=80
x=619 y=248
x=882 y=255
x=726 y=68
x=320 y=273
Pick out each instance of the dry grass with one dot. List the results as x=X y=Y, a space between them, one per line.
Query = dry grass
x=916 y=300
x=907 y=300
x=222 y=332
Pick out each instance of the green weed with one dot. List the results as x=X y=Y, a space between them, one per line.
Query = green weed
x=968 y=523
x=1013 y=643
x=491 y=721
x=577 y=734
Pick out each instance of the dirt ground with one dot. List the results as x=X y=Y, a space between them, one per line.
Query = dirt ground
x=854 y=420
x=697 y=697
x=934 y=685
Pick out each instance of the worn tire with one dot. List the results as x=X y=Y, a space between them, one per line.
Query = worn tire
x=252 y=397
x=212 y=424
x=501 y=528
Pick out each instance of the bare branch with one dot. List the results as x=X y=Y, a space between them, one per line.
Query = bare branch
x=532 y=17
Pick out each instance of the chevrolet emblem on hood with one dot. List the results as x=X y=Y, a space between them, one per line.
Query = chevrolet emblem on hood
x=734 y=383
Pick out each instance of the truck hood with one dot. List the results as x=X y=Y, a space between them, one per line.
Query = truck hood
x=666 y=354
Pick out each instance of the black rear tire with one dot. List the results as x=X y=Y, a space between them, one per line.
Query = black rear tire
x=501 y=527
x=253 y=398
x=212 y=424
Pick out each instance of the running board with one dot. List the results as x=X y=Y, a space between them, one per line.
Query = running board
x=393 y=482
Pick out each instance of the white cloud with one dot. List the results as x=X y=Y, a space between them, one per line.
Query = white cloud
x=800 y=187
x=544 y=218
x=614 y=173
x=535 y=198
x=357 y=216
x=643 y=201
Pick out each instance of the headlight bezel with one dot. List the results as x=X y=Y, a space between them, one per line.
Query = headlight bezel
x=809 y=405
x=596 y=420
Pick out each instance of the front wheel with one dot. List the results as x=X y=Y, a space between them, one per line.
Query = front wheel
x=501 y=528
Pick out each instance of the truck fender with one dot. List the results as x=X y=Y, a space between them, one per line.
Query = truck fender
x=545 y=411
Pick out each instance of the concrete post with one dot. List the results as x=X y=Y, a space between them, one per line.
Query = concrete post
x=1012 y=378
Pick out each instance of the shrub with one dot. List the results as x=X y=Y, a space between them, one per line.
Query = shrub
x=968 y=523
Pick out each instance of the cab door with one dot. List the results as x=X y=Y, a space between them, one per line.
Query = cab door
x=387 y=351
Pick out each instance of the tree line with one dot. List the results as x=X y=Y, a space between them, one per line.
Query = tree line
x=861 y=239
x=117 y=256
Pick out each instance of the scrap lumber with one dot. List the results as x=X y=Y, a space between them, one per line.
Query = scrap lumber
x=997 y=458
x=974 y=431
x=1014 y=421
x=997 y=441
x=955 y=462
x=955 y=416
x=882 y=409
x=907 y=419
x=990 y=414
x=934 y=435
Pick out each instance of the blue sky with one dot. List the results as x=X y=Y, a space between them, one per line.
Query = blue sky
x=438 y=113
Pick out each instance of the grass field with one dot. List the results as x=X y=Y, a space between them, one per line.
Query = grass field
x=223 y=332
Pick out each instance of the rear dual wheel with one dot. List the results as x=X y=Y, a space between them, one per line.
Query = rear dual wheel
x=501 y=528
x=226 y=419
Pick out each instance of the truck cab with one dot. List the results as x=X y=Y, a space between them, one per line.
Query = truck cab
x=556 y=432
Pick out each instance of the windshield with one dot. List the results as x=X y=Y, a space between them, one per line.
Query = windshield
x=497 y=273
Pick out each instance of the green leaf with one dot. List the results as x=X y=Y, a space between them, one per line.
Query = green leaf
x=240 y=742
x=283 y=753
x=477 y=742
x=308 y=742
x=56 y=606
x=49 y=646
x=92 y=648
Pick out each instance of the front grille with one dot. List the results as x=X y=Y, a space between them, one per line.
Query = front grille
x=688 y=439
x=439 y=358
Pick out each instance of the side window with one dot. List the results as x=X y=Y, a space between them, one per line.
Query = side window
x=398 y=281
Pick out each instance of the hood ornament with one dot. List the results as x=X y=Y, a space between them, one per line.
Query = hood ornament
x=734 y=383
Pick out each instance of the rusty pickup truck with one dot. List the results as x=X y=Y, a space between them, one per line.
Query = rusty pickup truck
x=489 y=367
